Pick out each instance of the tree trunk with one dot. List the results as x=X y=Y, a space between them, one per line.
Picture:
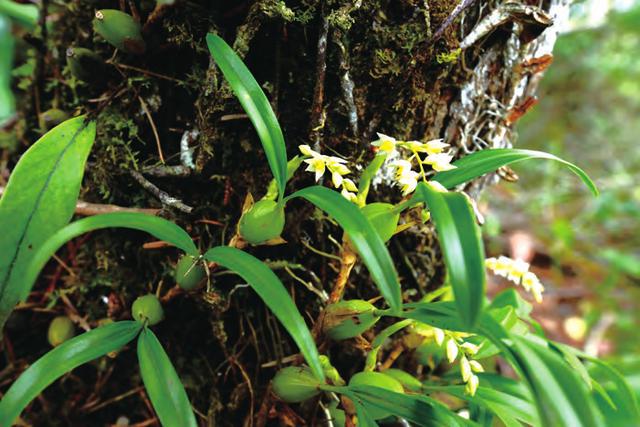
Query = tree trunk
x=336 y=73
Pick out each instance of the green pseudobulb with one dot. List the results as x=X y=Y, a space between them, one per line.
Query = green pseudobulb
x=61 y=329
x=120 y=30
x=348 y=319
x=85 y=65
x=295 y=384
x=377 y=379
x=189 y=273
x=147 y=308
x=383 y=218
x=262 y=222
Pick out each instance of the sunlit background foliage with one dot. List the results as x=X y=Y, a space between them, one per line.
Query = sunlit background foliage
x=588 y=248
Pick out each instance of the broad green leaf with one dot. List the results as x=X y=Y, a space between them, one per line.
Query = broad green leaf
x=255 y=104
x=362 y=236
x=156 y=226
x=275 y=296
x=24 y=14
x=165 y=390
x=485 y=161
x=461 y=245
x=62 y=359
x=7 y=101
x=419 y=409
x=40 y=198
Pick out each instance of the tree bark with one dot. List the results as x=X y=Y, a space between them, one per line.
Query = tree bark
x=336 y=73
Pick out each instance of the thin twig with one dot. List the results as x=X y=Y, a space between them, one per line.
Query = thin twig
x=153 y=128
x=143 y=71
x=89 y=209
x=164 y=197
x=464 y=4
x=163 y=171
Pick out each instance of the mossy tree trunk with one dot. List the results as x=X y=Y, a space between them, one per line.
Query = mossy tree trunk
x=336 y=73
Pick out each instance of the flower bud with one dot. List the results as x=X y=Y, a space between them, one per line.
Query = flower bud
x=262 y=222
x=189 y=272
x=348 y=319
x=85 y=65
x=120 y=30
x=61 y=329
x=295 y=384
x=147 y=308
x=377 y=379
x=383 y=219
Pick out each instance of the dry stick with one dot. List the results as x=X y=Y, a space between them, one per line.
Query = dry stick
x=153 y=128
x=318 y=92
x=164 y=197
x=143 y=71
x=464 y=4
x=89 y=209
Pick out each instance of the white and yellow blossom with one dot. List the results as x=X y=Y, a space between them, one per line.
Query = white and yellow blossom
x=385 y=143
x=320 y=163
x=465 y=369
x=452 y=350
x=405 y=177
x=518 y=272
x=439 y=162
x=476 y=366
x=472 y=385
x=435 y=146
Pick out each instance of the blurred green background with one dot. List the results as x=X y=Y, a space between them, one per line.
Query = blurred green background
x=587 y=249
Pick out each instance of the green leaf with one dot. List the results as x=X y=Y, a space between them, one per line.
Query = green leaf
x=275 y=296
x=504 y=405
x=561 y=396
x=62 y=359
x=364 y=183
x=40 y=198
x=462 y=247
x=255 y=104
x=416 y=408
x=362 y=236
x=165 y=390
x=612 y=380
x=485 y=161
x=24 y=14
x=7 y=100
x=156 y=226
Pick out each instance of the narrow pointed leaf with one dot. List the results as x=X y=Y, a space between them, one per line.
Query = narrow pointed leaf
x=40 y=198
x=255 y=104
x=156 y=226
x=7 y=100
x=462 y=248
x=485 y=161
x=561 y=395
x=275 y=296
x=364 y=238
x=165 y=390
x=60 y=360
